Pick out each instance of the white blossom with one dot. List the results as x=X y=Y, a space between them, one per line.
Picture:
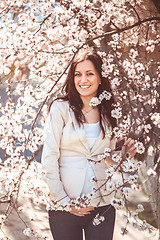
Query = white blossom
x=110 y=186
x=151 y=172
x=136 y=187
x=108 y=133
x=118 y=183
x=125 y=191
x=140 y=147
x=116 y=157
x=133 y=178
x=28 y=232
x=151 y=151
x=115 y=82
x=2 y=218
x=140 y=208
x=101 y=157
x=98 y=219
x=94 y=102
x=116 y=113
x=156 y=119
x=107 y=152
x=134 y=215
x=117 y=132
x=129 y=166
x=117 y=203
x=106 y=95
x=147 y=128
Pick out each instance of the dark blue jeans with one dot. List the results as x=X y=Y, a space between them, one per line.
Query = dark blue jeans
x=66 y=226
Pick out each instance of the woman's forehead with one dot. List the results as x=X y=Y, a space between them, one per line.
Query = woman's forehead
x=85 y=65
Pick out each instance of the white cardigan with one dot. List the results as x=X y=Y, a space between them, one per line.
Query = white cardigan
x=65 y=154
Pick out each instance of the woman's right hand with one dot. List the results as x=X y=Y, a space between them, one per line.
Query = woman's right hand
x=81 y=211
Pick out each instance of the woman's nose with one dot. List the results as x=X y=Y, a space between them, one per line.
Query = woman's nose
x=83 y=79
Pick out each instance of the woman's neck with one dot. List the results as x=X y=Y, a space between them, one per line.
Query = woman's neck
x=86 y=102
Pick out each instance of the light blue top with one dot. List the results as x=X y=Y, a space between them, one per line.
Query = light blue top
x=92 y=131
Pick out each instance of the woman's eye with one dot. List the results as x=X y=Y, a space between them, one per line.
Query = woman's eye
x=77 y=74
x=89 y=74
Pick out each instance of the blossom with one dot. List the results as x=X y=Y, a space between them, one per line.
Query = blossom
x=151 y=151
x=134 y=214
x=147 y=128
x=28 y=232
x=156 y=119
x=109 y=171
x=118 y=183
x=139 y=66
x=2 y=218
x=9 y=150
x=115 y=82
x=93 y=180
x=108 y=133
x=116 y=113
x=129 y=166
x=151 y=172
x=107 y=152
x=20 y=209
x=117 y=132
x=101 y=157
x=117 y=203
x=133 y=178
x=150 y=47
x=140 y=147
x=110 y=186
x=116 y=157
x=140 y=208
x=106 y=95
x=94 y=102
x=136 y=187
x=98 y=219
x=125 y=191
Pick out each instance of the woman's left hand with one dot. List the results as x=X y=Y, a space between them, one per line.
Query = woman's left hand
x=129 y=147
x=81 y=211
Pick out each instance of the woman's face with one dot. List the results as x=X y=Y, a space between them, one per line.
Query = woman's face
x=86 y=79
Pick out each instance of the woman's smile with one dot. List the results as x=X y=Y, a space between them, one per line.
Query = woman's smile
x=85 y=86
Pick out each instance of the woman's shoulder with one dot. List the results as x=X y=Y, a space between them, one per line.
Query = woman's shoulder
x=59 y=104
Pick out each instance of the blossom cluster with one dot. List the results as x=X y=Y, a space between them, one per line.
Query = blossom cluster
x=82 y=201
x=117 y=203
x=98 y=219
x=31 y=233
x=140 y=147
x=97 y=100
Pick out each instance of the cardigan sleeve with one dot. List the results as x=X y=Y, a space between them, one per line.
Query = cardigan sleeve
x=51 y=152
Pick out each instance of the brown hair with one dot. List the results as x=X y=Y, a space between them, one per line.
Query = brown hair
x=70 y=94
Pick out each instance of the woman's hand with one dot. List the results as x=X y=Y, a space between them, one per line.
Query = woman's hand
x=82 y=211
x=129 y=147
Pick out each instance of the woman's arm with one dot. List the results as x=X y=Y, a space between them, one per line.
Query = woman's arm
x=51 y=152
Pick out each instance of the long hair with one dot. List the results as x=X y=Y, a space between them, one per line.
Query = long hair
x=70 y=94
